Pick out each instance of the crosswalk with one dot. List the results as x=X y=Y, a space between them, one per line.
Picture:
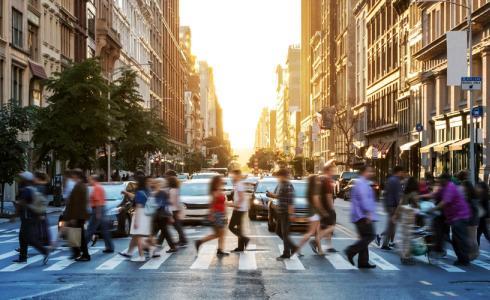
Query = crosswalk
x=256 y=257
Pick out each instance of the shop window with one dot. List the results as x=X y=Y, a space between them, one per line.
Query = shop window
x=36 y=93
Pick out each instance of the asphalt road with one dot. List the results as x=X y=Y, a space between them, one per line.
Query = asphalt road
x=254 y=274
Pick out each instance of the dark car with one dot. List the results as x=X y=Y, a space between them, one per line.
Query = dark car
x=259 y=202
x=119 y=208
x=300 y=207
x=344 y=179
x=348 y=188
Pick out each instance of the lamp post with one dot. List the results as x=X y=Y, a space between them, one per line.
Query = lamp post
x=110 y=80
x=469 y=8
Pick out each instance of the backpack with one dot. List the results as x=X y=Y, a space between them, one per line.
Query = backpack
x=39 y=202
x=151 y=206
x=163 y=204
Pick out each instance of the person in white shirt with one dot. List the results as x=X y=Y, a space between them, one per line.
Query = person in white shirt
x=240 y=207
x=174 y=199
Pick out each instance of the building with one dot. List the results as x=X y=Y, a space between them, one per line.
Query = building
x=156 y=58
x=262 y=131
x=272 y=129
x=209 y=100
x=108 y=42
x=282 y=109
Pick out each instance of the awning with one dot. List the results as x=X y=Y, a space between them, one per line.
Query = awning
x=37 y=70
x=372 y=152
x=458 y=146
x=408 y=146
x=427 y=148
x=442 y=147
x=385 y=149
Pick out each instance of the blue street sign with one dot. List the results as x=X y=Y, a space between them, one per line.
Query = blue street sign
x=477 y=112
x=419 y=127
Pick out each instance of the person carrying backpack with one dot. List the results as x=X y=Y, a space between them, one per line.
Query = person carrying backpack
x=163 y=215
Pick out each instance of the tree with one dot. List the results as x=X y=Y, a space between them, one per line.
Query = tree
x=345 y=122
x=194 y=162
x=76 y=121
x=266 y=159
x=14 y=119
x=216 y=146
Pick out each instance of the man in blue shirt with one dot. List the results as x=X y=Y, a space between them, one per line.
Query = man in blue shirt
x=363 y=214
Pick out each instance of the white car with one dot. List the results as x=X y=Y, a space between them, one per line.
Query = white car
x=207 y=175
x=195 y=198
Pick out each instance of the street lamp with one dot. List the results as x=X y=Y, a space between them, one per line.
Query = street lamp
x=110 y=79
x=469 y=7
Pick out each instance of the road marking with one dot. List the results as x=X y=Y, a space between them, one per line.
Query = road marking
x=204 y=257
x=475 y=262
x=65 y=261
x=293 y=263
x=441 y=264
x=437 y=294
x=13 y=240
x=425 y=282
x=63 y=288
x=381 y=262
x=15 y=267
x=8 y=254
x=113 y=262
x=339 y=262
x=8 y=235
x=451 y=294
x=247 y=259
x=155 y=263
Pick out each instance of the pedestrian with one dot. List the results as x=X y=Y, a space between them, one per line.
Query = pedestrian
x=176 y=208
x=456 y=212
x=315 y=210
x=163 y=216
x=30 y=225
x=240 y=208
x=68 y=185
x=141 y=224
x=217 y=216
x=284 y=193
x=393 y=192
x=97 y=215
x=469 y=193
x=328 y=214
x=41 y=181
x=405 y=212
x=363 y=214
x=76 y=214
x=482 y=194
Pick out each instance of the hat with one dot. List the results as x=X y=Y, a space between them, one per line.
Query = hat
x=26 y=175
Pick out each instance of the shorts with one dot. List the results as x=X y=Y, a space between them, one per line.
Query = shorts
x=219 y=220
x=314 y=218
x=329 y=220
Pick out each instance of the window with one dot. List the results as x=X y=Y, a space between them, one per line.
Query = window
x=2 y=100
x=32 y=42
x=91 y=24
x=16 y=83
x=1 y=20
x=36 y=93
x=17 y=28
x=65 y=41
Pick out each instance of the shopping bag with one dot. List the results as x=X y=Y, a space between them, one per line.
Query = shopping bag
x=74 y=236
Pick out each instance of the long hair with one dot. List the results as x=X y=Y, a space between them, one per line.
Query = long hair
x=312 y=189
x=411 y=186
x=215 y=184
x=141 y=182
x=173 y=182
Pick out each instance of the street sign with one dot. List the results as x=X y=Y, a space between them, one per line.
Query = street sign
x=477 y=112
x=419 y=127
x=471 y=83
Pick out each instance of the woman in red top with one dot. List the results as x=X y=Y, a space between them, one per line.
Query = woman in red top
x=217 y=216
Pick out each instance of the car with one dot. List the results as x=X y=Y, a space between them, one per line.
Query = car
x=301 y=209
x=344 y=179
x=250 y=182
x=348 y=189
x=195 y=198
x=228 y=188
x=183 y=177
x=119 y=207
x=207 y=175
x=259 y=202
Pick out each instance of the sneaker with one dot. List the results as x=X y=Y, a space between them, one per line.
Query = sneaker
x=125 y=254
x=138 y=259
x=313 y=246
x=237 y=250
x=282 y=257
x=20 y=261
x=83 y=258
x=108 y=251
x=222 y=253
x=368 y=266
x=332 y=250
x=171 y=250
x=197 y=244
x=378 y=240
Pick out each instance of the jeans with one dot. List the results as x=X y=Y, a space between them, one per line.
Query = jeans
x=460 y=241
x=365 y=230
x=282 y=230
x=160 y=223
x=83 y=249
x=236 y=227
x=29 y=235
x=389 y=233
x=178 y=227
x=95 y=223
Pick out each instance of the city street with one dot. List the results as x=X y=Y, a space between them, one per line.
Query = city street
x=254 y=274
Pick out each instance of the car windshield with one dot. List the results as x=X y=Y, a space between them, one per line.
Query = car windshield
x=113 y=192
x=228 y=182
x=265 y=186
x=194 y=189
x=349 y=175
x=300 y=189
x=203 y=176
x=181 y=176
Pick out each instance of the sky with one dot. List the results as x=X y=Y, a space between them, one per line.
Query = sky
x=244 y=41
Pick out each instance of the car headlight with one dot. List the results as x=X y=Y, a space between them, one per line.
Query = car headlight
x=257 y=202
x=114 y=211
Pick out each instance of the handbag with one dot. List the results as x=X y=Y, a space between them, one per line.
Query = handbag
x=74 y=236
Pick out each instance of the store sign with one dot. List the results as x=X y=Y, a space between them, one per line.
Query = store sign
x=471 y=83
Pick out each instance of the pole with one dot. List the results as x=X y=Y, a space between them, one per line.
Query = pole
x=109 y=144
x=470 y=69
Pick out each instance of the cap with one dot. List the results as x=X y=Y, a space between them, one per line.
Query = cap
x=26 y=175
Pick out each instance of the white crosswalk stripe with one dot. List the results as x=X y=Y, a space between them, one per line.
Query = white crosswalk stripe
x=338 y=262
x=112 y=263
x=292 y=264
x=475 y=262
x=65 y=262
x=12 y=240
x=439 y=263
x=15 y=267
x=247 y=259
x=155 y=263
x=204 y=257
x=381 y=262
x=8 y=254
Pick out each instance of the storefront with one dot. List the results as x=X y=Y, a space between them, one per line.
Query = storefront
x=410 y=158
x=382 y=157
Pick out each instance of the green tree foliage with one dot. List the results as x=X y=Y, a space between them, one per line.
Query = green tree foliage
x=76 y=121
x=14 y=119
x=218 y=147
x=194 y=162
x=266 y=159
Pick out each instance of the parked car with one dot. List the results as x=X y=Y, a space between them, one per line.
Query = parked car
x=344 y=179
x=348 y=188
x=194 y=196
x=300 y=207
x=259 y=202
x=119 y=208
x=228 y=188
x=183 y=177
x=207 y=175
x=250 y=182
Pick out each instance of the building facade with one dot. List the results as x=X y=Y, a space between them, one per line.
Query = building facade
x=262 y=131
